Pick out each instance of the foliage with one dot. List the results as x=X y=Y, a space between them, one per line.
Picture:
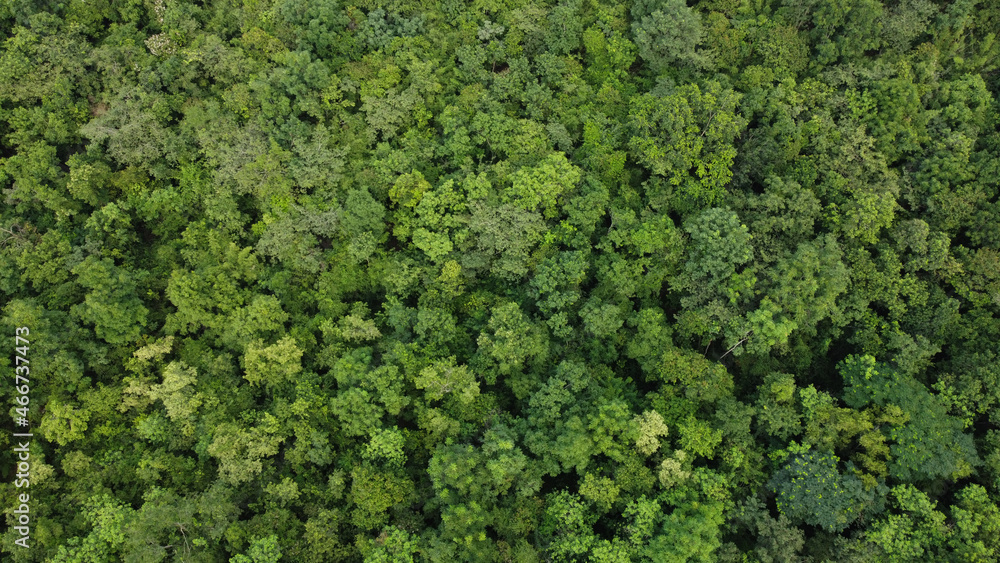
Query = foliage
x=811 y=489
x=606 y=281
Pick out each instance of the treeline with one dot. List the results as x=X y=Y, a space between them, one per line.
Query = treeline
x=503 y=280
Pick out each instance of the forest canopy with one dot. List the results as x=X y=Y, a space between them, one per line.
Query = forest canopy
x=502 y=281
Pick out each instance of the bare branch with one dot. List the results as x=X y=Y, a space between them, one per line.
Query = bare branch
x=745 y=338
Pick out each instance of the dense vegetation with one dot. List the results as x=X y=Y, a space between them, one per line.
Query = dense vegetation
x=503 y=280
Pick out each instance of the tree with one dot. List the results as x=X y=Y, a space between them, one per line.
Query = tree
x=445 y=378
x=691 y=532
x=131 y=130
x=686 y=136
x=510 y=341
x=272 y=365
x=112 y=304
x=776 y=538
x=931 y=444
x=212 y=284
x=374 y=492
x=567 y=527
x=802 y=292
x=919 y=531
x=108 y=516
x=668 y=34
x=63 y=423
x=565 y=27
x=241 y=451
x=975 y=516
x=262 y=550
x=713 y=278
x=651 y=426
x=393 y=545
x=178 y=396
x=545 y=186
x=812 y=489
